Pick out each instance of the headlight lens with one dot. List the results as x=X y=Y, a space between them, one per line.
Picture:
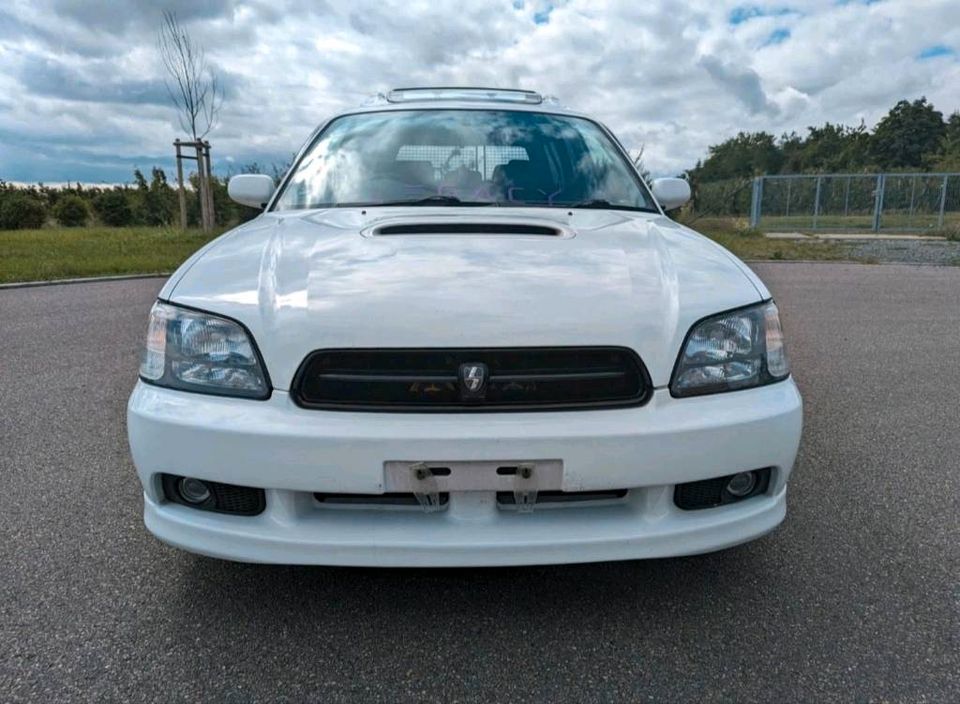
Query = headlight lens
x=735 y=350
x=196 y=351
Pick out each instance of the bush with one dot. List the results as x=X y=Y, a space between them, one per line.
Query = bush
x=71 y=211
x=21 y=212
x=113 y=208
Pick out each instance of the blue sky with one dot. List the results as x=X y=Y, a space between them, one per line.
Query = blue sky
x=82 y=93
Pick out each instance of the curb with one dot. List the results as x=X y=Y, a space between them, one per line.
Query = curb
x=845 y=237
x=85 y=280
x=856 y=262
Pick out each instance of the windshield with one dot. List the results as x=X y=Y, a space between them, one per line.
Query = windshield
x=463 y=157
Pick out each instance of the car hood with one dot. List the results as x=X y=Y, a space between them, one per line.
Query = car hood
x=327 y=279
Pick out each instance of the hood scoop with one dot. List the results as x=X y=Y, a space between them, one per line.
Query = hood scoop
x=468 y=228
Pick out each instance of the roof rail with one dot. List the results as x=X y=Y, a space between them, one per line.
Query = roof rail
x=465 y=93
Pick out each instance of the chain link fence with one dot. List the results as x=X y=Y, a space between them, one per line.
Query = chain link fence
x=873 y=202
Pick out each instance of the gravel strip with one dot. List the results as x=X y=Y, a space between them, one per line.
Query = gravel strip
x=906 y=251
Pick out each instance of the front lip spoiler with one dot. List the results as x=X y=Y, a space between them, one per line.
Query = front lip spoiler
x=389 y=539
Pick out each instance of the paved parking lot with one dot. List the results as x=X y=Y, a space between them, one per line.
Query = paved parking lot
x=855 y=598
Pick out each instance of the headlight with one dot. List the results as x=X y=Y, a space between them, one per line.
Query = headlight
x=735 y=350
x=195 y=351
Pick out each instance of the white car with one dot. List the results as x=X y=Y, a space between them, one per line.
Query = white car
x=462 y=332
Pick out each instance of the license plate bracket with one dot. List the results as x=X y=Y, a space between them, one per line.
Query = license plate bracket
x=473 y=475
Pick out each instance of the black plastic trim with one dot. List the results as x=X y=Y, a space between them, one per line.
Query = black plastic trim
x=478 y=228
x=718 y=485
x=374 y=500
x=168 y=483
x=507 y=498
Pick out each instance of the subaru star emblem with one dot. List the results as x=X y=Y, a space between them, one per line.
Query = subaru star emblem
x=473 y=378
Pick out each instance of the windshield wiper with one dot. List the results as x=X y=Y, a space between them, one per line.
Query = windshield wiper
x=592 y=203
x=438 y=200
x=602 y=204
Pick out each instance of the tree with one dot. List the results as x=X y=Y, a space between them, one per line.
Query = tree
x=639 y=165
x=113 y=208
x=155 y=202
x=20 y=211
x=71 y=211
x=746 y=155
x=949 y=157
x=830 y=149
x=909 y=136
x=193 y=86
x=791 y=146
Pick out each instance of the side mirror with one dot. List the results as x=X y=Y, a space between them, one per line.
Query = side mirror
x=670 y=193
x=251 y=189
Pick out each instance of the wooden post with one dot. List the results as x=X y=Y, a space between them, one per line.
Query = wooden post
x=181 y=194
x=209 y=177
x=202 y=188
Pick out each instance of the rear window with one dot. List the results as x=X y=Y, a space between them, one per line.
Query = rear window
x=463 y=157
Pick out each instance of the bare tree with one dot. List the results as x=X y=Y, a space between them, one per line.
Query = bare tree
x=639 y=165
x=193 y=86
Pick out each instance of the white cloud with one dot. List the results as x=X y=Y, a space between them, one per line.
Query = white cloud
x=674 y=76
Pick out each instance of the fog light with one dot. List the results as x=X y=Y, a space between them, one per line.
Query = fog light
x=193 y=490
x=742 y=484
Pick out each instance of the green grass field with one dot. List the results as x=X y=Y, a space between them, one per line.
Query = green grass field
x=892 y=222
x=63 y=253
x=735 y=235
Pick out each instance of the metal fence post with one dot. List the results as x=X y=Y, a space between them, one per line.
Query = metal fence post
x=943 y=201
x=913 y=200
x=757 y=197
x=878 y=202
x=816 y=202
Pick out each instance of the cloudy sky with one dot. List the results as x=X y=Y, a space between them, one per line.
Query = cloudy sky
x=82 y=95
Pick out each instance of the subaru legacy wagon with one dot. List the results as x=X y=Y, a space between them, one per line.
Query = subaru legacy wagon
x=462 y=331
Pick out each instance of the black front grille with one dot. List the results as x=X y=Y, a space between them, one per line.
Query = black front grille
x=556 y=378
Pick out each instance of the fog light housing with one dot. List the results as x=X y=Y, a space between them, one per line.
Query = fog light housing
x=708 y=493
x=193 y=491
x=213 y=496
x=742 y=484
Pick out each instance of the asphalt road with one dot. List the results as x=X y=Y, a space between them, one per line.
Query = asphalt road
x=855 y=598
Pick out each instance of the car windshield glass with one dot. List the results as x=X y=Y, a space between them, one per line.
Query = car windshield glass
x=463 y=158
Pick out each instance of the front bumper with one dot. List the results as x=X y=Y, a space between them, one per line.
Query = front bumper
x=292 y=452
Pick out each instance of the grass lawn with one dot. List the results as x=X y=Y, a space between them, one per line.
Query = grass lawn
x=892 y=222
x=751 y=244
x=63 y=253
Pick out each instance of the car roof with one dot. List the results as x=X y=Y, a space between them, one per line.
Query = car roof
x=462 y=98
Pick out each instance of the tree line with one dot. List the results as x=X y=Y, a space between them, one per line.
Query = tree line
x=913 y=136
x=151 y=203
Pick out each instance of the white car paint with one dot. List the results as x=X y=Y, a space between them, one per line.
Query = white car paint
x=253 y=190
x=307 y=280
x=670 y=192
